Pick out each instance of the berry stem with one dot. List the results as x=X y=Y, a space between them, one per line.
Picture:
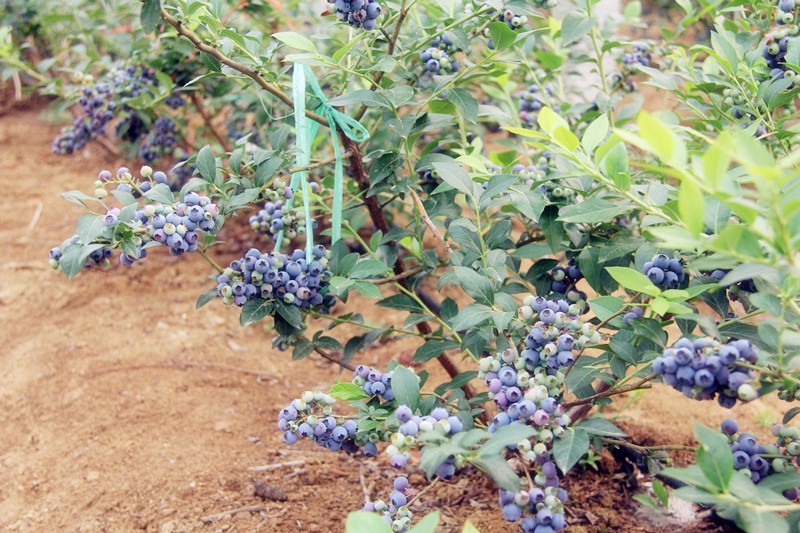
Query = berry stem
x=210 y=261
x=643 y=384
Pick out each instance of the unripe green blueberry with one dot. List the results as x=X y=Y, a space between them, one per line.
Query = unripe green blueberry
x=146 y=172
x=100 y=194
x=793 y=448
x=747 y=393
x=540 y=449
x=169 y=228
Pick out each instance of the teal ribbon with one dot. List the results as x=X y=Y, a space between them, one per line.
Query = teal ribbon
x=306 y=131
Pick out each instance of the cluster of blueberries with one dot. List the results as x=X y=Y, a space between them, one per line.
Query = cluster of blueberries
x=525 y=392
x=176 y=226
x=412 y=425
x=358 y=13
x=160 y=141
x=563 y=313
x=538 y=510
x=23 y=19
x=531 y=102
x=630 y=61
x=175 y=101
x=98 y=258
x=98 y=105
x=374 y=382
x=310 y=417
x=734 y=100
x=777 y=40
x=435 y=60
x=565 y=278
x=443 y=42
x=278 y=215
x=757 y=461
x=665 y=272
x=289 y=278
x=396 y=512
x=703 y=368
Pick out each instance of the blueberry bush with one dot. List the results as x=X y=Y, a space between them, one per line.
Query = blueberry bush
x=489 y=172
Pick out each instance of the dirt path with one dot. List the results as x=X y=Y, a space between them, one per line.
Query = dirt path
x=155 y=446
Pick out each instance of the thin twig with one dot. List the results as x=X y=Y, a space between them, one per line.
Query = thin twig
x=110 y=148
x=424 y=213
x=604 y=394
x=248 y=509
x=366 y=490
x=276 y=466
x=331 y=358
x=225 y=60
x=179 y=365
x=198 y=104
x=392 y=279
x=646 y=449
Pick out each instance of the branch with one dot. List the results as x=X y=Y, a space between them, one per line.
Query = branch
x=235 y=65
x=333 y=359
x=379 y=220
x=198 y=104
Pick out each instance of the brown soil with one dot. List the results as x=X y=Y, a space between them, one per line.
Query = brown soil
x=112 y=422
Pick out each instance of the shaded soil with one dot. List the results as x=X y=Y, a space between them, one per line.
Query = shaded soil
x=114 y=420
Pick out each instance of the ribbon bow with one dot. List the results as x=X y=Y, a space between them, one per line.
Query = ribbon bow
x=306 y=132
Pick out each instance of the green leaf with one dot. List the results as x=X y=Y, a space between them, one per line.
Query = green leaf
x=714 y=457
x=503 y=437
x=401 y=302
x=780 y=482
x=359 y=97
x=368 y=289
x=475 y=285
x=600 y=426
x=295 y=40
x=661 y=492
x=633 y=280
x=366 y=522
x=499 y=470
x=405 y=385
x=465 y=104
x=574 y=26
x=205 y=298
x=290 y=313
x=502 y=36
x=761 y=521
x=427 y=524
x=605 y=306
x=366 y=268
x=691 y=475
x=617 y=167
x=150 y=16
x=595 y=133
x=161 y=194
x=432 y=349
x=691 y=206
x=592 y=211
x=207 y=164
x=255 y=310
x=90 y=227
x=469 y=528
x=697 y=495
x=569 y=448
x=347 y=391
x=471 y=316
x=454 y=175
